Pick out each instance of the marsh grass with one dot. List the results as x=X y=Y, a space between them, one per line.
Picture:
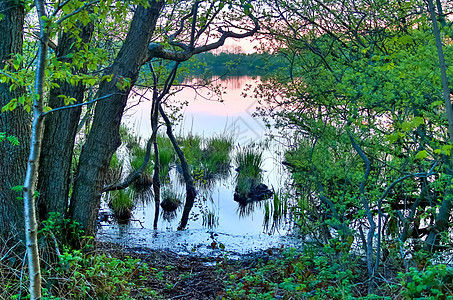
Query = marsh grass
x=191 y=145
x=249 y=162
x=128 y=137
x=137 y=157
x=217 y=154
x=209 y=158
x=171 y=200
x=115 y=170
x=121 y=204
x=167 y=157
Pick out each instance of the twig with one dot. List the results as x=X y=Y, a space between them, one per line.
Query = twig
x=77 y=105
x=180 y=296
x=76 y=11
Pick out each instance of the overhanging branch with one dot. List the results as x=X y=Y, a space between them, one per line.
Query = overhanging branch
x=156 y=50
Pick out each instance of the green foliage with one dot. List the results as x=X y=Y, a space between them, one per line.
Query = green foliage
x=11 y=139
x=235 y=64
x=434 y=282
x=294 y=275
x=65 y=232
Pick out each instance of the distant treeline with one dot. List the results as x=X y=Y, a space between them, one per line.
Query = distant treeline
x=236 y=64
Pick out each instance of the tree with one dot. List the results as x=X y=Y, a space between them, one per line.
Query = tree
x=347 y=93
x=60 y=128
x=15 y=123
x=104 y=139
x=442 y=218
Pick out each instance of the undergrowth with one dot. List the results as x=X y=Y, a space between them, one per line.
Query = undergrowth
x=319 y=272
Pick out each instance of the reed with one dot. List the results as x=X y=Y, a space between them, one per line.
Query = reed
x=249 y=161
x=171 y=200
x=121 y=204
x=217 y=154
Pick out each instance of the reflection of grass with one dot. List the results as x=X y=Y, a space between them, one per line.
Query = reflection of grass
x=249 y=161
x=121 y=203
x=274 y=211
x=210 y=220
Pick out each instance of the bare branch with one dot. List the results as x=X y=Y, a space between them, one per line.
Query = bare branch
x=79 y=104
x=158 y=50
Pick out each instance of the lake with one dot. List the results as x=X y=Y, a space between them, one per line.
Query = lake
x=240 y=229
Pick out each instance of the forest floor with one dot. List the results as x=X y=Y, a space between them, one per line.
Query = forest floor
x=186 y=276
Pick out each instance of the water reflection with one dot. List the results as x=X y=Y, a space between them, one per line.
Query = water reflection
x=215 y=209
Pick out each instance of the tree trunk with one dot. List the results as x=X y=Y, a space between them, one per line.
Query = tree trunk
x=442 y=219
x=31 y=226
x=104 y=138
x=156 y=176
x=59 y=135
x=13 y=159
x=191 y=193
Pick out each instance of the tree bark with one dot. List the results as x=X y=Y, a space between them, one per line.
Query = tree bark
x=104 y=138
x=59 y=135
x=13 y=159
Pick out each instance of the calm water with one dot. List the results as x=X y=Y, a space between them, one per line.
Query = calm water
x=240 y=230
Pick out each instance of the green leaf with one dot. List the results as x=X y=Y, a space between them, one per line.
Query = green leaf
x=393 y=137
x=13 y=140
x=18 y=188
x=406 y=126
x=421 y=155
x=417 y=121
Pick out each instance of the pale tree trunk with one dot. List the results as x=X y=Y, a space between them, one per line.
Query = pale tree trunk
x=104 y=139
x=59 y=135
x=443 y=216
x=13 y=159
x=31 y=228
